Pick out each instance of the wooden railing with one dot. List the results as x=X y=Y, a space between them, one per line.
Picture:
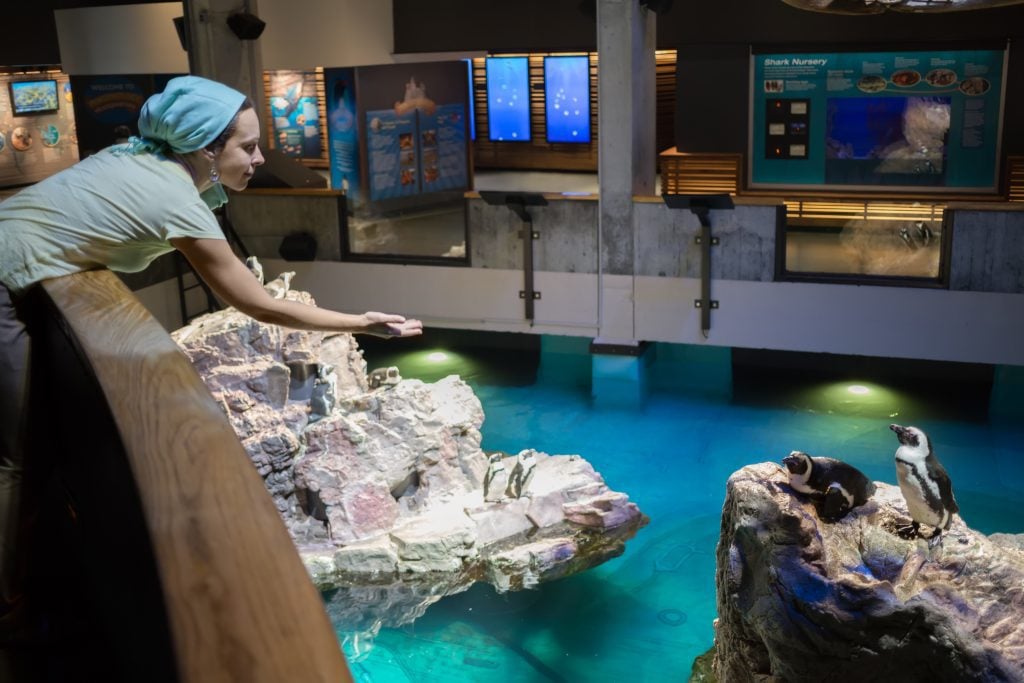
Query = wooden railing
x=687 y=173
x=718 y=173
x=157 y=554
x=1015 y=178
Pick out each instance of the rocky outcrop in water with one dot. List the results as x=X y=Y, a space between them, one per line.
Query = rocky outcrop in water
x=800 y=599
x=381 y=481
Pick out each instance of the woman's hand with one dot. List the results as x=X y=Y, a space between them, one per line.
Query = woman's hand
x=388 y=325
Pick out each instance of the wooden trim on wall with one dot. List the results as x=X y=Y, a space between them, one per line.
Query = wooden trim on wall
x=1015 y=178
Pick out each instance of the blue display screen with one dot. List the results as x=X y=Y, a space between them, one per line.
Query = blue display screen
x=33 y=97
x=863 y=127
x=870 y=138
x=508 y=99
x=471 y=100
x=567 y=98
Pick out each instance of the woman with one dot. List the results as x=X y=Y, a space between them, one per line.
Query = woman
x=123 y=207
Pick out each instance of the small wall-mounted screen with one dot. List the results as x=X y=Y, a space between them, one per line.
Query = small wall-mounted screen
x=472 y=99
x=34 y=97
x=866 y=140
x=508 y=99
x=567 y=98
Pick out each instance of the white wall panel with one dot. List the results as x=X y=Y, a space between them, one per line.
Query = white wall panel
x=122 y=39
x=311 y=33
x=873 y=321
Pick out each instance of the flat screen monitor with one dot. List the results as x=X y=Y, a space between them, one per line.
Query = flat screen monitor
x=471 y=100
x=900 y=121
x=874 y=141
x=508 y=99
x=567 y=98
x=34 y=97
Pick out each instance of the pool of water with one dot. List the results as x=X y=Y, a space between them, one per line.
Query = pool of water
x=647 y=614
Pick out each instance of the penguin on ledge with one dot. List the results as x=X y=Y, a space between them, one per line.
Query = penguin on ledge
x=838 y=486
x=925 y=485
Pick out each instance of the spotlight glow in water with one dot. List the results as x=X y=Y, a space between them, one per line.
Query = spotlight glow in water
x=437 y=357
x=854 y=397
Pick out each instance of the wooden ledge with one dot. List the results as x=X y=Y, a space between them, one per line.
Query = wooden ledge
x=240 y=603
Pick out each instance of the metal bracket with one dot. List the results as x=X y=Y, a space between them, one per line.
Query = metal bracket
x=522 y=294
x=698 y=303
x=699 y=240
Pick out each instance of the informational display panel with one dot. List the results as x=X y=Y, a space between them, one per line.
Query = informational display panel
x=398 y=131
x=37 y=127
x=508 y=99
x=921 y=121
x=567 y=98
x=107 y=107
x=343 y=131
x=294 y=113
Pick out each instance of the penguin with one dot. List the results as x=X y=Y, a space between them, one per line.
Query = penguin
x=382 y=377
x=495 y=478
x=522 y=474
x=838 y=486
x=255 y=267
x=325 y=392
x=925 y=485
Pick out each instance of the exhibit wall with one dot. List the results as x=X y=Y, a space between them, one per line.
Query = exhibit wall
x=713 y=40
x=37 y=127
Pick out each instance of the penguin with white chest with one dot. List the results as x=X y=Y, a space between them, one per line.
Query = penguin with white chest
x=925 y=484
x=838 y=486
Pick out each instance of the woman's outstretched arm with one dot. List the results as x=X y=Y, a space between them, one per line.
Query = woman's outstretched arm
x=231 y=280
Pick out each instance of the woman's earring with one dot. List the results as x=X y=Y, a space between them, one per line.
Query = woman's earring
x=214 y=173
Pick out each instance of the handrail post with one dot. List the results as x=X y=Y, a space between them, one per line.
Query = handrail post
x=701 y=206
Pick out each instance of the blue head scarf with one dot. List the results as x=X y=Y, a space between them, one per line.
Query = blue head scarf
x=187 y=116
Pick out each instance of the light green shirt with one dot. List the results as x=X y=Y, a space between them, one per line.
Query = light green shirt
x=109 y=210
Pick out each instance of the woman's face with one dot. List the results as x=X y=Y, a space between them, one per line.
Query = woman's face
x=241 y=155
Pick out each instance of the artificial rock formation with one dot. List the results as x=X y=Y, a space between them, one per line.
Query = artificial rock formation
x=800 y=599
x=381 y=480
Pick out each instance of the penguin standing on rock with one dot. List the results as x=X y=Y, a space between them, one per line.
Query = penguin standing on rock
x=839 y=487
x=924 y=483
x=495 y=479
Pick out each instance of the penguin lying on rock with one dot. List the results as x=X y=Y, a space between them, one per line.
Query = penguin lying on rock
x=837 y=487
x=924 y=483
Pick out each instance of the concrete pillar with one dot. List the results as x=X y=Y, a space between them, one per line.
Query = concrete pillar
x=626 y=151
x=620 y=376
x=1007 y=398
x=215 y=52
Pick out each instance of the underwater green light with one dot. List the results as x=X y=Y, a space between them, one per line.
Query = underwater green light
x=437 y=357
x=854 y=397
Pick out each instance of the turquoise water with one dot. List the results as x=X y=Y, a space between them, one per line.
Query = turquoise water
x=646 y=615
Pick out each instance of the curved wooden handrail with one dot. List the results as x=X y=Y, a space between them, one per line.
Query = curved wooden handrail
x=239 y=603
